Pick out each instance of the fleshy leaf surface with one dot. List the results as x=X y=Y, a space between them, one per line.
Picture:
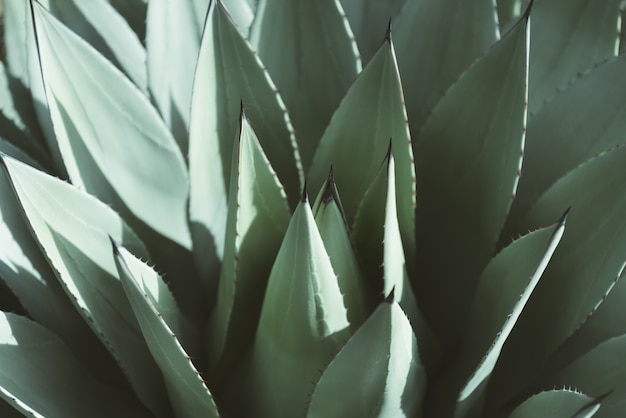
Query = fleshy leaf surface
x=258 y=217
x=468 y=157
x=40 y=377
x=228 y=74
x=96 y=128
x=357 y=138
x=315 y=65
x=155 y=310
x=303 y=323
x=553 y=404
x=431 y=62
x=72 y=228
x=378 y=372
x=580 y=272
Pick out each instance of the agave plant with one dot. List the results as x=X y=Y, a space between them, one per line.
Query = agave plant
x=292 y=208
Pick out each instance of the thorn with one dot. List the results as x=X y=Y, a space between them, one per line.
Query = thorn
x=391 y=296
x=564 y=217
x=242 y=114
x=305 y=195
x=329 y=189
x=388 y=34
x=116 y=250
x=528 y=9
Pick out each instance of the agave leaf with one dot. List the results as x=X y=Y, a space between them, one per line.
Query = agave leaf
x=315 y=65
x=508 y=12
x=333 y=229
x=600 y=371
x=40 y=377
x=580 y=272
x=98 y=23
x=553 y=404
x=303 y=323
x=378 y=372
x=242 y=13
x=591 y=108
x=157 y=316
x=228 y=73
x=98 y=128
x=377 y=238
x=468 y=160
x=72 y=228
x=258 y=217
x=134 y=11
x=430 y=62
x=568 y=38
x=503 y=291
x=369 y=19
x=173 y=34
x=29 y=277
x=358 y=135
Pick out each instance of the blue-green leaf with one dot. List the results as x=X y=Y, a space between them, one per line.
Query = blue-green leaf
x=378 y=372
x=315 y=65
x=303 y=323
x=158 y=317
x=40 y=377
x=468 y=157
x=553 y=404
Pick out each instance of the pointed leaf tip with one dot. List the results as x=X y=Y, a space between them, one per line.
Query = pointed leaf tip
x=391 y=297
x=528 y=9
x=592 y=407
x=305 y=195
x=116 y=250
x=564 y=216
x=388 y=33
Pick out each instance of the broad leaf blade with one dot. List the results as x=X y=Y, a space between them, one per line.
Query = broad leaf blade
x=315 y=64
x=71 y=228
x=134 y=11
x=114 y=127
x=468 y=156
x=581 y=270
x=173 y=42
x=228 y=74
x=358 y=137
x=568 y=38
x=303 y=323
x=431 y=58
x=378 y=372
x=40 y=377
x=552 y=404
x=258 y=217
x=188 y=392
x=242 y=13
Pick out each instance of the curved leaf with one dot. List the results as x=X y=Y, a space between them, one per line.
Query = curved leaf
x=378 y=372
x=228 y=74
x=173 y=33
x=552 y=404
x=303 y=323
x=40 y=377
x=587 y=118
x=358 y=136
x=155 y=310
x=589 y=258
x=431 y=58
x=333 y=229
x=315 y=65
x=242 y=13
x=258 y=217
x=71 y=228
x=114 y=127
x=468 y=160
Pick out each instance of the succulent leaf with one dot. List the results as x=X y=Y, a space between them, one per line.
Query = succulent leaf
x=258 y=217
x=242 y=12
x=113 y=110
x=30 y=355
x=157 y=315
x=134 y=11
x=431 y=62
x=358 y=135
x=378 y=371
x=173 y=33
x=553 y=404
x=581 y=270
x=333 y=229
x=72 y=228
x=228 y=74
x=558 y=51
x=303 y=323
x=468 y=161
x=317 y=60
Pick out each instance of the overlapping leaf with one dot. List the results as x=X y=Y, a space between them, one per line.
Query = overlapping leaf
x=378 y=372
x=40 y=377
x=556 y=404
x=468 y=160
x=158 y=316
x=315 y=65
x=303 y=323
